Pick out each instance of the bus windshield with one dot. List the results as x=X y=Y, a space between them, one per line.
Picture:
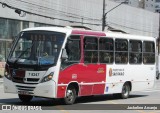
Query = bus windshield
x=37 y=48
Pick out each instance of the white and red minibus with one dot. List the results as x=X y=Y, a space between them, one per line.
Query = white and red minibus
x=57 y=62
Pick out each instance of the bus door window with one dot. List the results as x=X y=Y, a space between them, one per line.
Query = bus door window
x=148 y=52
x=106 y=50
x=135 y=52
x=121 y=51
x=90 y=49
x=72 y=50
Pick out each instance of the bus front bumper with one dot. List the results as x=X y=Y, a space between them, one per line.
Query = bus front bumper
x=46 y=89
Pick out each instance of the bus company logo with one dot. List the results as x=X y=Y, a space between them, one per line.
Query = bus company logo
x=6 y=107
x=110 y=72
x=100 y=70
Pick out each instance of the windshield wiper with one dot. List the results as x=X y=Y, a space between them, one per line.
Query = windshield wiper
x=23 y=53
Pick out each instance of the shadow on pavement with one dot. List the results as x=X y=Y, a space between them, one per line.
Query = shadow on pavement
x=103 y=98
x=56 y=102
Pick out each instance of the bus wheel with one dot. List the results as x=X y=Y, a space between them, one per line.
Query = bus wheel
x=125 y=91
x=25 y=98
x=70 y=95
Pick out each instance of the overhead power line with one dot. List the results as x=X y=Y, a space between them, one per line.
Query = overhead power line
x=23 y=12
x=72 y=15
x=19 y=11
x=55 y=4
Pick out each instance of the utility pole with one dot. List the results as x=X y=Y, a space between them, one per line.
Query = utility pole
x=159 y=36
x=105 y=14
x=103 y=17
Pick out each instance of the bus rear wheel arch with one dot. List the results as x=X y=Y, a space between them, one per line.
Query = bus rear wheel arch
x=125 y=92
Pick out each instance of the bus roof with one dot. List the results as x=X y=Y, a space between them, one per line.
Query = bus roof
x=129 y=36
x=75 y=31
x=56 y=29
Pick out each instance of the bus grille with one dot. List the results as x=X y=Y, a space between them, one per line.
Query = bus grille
x=29 y=89
x=32 y=79
x=27 y=80
x=17 y=79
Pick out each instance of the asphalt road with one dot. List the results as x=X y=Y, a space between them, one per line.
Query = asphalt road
x=94 y=104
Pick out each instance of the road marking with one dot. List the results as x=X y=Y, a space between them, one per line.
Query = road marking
x=61 y=109
x=150 y=91
x=112 y=102
x=141 y=111
x=156 y=111
x=148 y=99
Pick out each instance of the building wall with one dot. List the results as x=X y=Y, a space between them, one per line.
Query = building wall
x=118 y=1
x=157 y=6
x=134 y=3
x=76 y=12
x=133 y=20
x=150 y=5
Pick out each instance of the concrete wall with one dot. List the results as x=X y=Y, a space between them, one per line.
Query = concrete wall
x=126 y=18
x=134 y=20
x=150 y=5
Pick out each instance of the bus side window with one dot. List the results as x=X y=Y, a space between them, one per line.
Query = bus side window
x=90 y=49
x=121 y=51
x=148 y=52
x=106 y=50
x=135 y=52
x=73 y=48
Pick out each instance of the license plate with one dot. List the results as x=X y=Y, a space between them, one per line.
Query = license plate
x=23 y=92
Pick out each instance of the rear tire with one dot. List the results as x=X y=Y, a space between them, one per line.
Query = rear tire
x=70 y=95
x=25 y=98
x=125 y=91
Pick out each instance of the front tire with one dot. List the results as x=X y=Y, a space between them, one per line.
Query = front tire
x=25 y=98
x=70 y=95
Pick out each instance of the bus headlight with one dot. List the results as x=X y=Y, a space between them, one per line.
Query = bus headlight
x=7 y=75
x=48 y=77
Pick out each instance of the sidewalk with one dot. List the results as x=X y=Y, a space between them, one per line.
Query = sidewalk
x=1 y=81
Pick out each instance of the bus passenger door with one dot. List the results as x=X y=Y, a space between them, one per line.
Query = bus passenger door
x=94 y=76
x=95 y=73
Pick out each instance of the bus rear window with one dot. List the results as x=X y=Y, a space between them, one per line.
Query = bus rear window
x=148 y=52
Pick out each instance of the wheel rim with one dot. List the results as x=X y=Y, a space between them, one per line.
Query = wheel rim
x=70 y=95
x=125 y=91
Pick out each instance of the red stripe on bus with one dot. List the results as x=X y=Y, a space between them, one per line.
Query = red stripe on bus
x=81 y=32
x=90 y=77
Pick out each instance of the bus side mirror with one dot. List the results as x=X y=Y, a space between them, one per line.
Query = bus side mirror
x=64 y=56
